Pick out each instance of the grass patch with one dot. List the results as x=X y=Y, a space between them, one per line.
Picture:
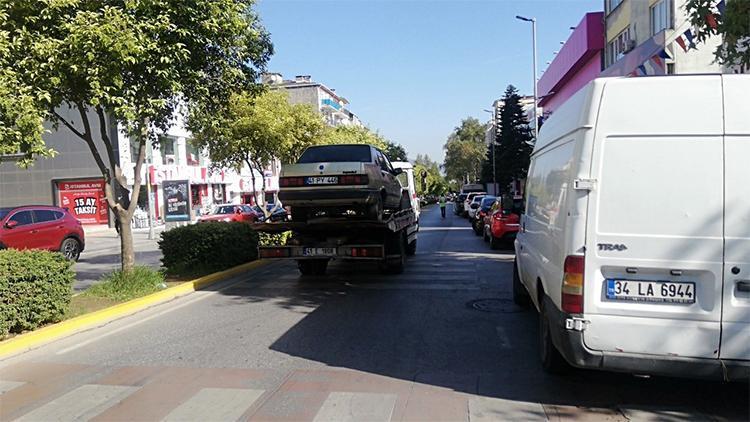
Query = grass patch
x=121 y=287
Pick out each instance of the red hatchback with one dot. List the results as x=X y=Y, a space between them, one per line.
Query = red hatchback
x=500 y=225
x=41 y=227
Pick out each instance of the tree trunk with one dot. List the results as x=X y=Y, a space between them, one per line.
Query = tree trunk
x=126 y=243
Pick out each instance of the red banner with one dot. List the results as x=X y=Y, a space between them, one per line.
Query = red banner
x=84 y=199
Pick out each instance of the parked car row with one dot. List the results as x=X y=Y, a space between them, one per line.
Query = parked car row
x=489 y=218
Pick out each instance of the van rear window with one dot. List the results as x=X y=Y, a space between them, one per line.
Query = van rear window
x=336 y=154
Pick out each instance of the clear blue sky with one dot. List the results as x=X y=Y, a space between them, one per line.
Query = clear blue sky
x=413 y=69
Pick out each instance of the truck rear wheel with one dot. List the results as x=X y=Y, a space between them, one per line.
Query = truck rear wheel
x=312 y=266
x=375 y=211
x=411 y=248
x=299 y=214
x=395 y=245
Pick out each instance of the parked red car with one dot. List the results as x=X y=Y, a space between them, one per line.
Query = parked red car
x=500 y=226
x=41 y=227
x=231 y=212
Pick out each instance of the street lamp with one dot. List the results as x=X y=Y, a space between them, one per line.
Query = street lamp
x=533 y=41
x=494 y=133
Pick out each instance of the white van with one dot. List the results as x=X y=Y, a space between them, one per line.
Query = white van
x=407 y=182
x=635 y=241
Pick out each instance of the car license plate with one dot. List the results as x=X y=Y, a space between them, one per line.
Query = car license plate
x=651 y=291
x=318 y=251
x=322 y=180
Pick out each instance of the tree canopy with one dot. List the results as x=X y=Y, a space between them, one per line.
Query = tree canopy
x=732 y=22
x=433 y=183
x=464 y=151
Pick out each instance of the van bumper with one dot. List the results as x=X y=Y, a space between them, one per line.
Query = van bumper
x=571 y=345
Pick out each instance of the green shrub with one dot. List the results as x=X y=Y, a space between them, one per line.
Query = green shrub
x=138 y=282
x=35 y=289
x=270 y=239
x=207 y=247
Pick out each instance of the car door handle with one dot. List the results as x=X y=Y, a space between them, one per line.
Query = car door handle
x=743 y=285
x=34 y=231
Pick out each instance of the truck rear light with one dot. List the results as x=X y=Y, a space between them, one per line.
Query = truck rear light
x=572 y=286
x=275 y=253
x=366 y=252
x=291 y=181
x=353 y=179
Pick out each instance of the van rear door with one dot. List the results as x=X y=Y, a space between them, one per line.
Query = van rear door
x=735 y=336
x=654 y=242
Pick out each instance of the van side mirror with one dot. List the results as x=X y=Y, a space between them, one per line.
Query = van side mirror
x=10 y=224
x=397 y=171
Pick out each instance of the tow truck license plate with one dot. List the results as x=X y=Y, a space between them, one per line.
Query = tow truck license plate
x=651 y=291
x=325 y=180
x=318 y=251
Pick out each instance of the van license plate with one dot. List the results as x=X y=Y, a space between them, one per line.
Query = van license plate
x=327 y=180
x=318 y=251
x=651 y=291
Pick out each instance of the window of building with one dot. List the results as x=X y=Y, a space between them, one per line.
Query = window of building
x=166 y=145
x=661 y=16
x=617 y=48
x=192 y=155
x=612 y=4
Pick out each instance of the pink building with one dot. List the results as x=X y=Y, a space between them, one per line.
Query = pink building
x=578 y=62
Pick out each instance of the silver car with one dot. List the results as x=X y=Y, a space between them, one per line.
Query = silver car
x=341 y=180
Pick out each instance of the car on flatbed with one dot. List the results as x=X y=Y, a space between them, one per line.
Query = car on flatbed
x=336 y=180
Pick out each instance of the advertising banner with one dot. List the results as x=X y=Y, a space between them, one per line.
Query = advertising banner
x=176 y=200
x=84 y=199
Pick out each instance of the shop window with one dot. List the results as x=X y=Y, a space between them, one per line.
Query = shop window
x=661 y=16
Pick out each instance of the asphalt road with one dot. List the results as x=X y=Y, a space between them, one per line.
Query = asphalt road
x=102 y=255
x=353 y=345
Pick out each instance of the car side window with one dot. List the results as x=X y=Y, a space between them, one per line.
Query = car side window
x=22 y=217
x=388 y=165
x=42 y=216
x=381 y=161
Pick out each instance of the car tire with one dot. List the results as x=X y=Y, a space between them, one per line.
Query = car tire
x=375 y=211
x=477 y=230
x=312 y=267
x=520 y=295
x=396 y=245
x=552 y=361
x=71 y=249
x=495 y=243
x=411 y=248
x=299 y=214
x=485 y=237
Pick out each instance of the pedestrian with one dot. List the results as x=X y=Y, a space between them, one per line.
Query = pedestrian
x=442 y=202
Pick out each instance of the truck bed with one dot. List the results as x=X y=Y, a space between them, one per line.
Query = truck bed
x=394 y=222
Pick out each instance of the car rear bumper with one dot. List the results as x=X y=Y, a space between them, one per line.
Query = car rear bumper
x=310 y=197
x=571 y=345
x=504 y=231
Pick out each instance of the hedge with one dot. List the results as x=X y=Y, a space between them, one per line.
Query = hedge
x=35 y=289
x=207 y=247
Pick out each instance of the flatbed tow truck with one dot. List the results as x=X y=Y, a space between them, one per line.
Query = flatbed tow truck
x=316 y=241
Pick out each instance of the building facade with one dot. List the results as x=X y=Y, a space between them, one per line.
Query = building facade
x=578 y=62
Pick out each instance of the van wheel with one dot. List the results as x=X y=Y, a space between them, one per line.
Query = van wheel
x=520 y=295
x=312 y=266
x=552 y=360
x=71 y=249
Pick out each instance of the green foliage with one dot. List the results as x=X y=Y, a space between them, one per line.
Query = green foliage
x=434 y=183
x=515 y=142
x=346 y=134
x=271 y=239
x=464 y=151
x=207 y=247
x=35 y=287
x=395 y=151
x=733 y=25
x=122 y=286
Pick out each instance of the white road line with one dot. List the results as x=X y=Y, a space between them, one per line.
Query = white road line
x=355 y=407
x=6 y=386
x=215 y=404
x=504 y=340
x=488 y=409
x=83 y=403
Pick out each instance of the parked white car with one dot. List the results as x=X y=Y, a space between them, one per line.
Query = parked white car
x=635 y=242
x=468 y=200
x=476 y=201
x=408 y=183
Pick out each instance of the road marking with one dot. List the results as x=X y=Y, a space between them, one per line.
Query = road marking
x=391 y=285
x=215 y=404
x=488 y=409
x=355 y=407
x=83 y=403
x=504 y=340
x=6 y=386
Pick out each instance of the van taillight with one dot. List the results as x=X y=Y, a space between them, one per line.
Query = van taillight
x=572 y=286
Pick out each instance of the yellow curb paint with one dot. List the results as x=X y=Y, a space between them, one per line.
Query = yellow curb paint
x=24 y=342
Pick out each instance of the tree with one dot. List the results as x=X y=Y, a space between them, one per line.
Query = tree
x=732 y=23
x=515 y=141
x=350 y=134
x=395 y=151
x=133 y=63
x=434 y=182
x=257 y=130
x=464 y=151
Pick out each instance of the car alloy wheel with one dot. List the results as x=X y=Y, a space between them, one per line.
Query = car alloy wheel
x=70 y=249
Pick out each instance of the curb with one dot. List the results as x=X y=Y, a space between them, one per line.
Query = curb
x=34 y=339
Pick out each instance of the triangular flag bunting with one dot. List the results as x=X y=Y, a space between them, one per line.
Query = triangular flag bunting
x=664 y=55
x=711 y=20
x=689 y=35
x=681 y=42
x=642 y=68
x=721 y=7
x=658 y=62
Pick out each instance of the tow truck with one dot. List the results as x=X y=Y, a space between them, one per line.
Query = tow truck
x=318 y=240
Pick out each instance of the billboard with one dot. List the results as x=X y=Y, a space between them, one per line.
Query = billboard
x=84 y=199
x=176 y=200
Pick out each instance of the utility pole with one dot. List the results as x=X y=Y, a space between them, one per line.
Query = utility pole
x=493 y=125
x=533 y=42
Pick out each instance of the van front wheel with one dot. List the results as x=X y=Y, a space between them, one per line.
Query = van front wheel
x=552 y=360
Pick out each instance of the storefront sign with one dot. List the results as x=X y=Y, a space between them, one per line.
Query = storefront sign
x=176 y=200
x=84 y=199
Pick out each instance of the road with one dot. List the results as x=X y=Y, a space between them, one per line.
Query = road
x=102 y=255
x=353 y=345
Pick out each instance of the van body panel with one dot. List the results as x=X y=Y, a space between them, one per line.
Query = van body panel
x=735 y=339
x=655 y=218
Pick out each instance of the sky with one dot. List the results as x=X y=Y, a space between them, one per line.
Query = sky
x=412 y=70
